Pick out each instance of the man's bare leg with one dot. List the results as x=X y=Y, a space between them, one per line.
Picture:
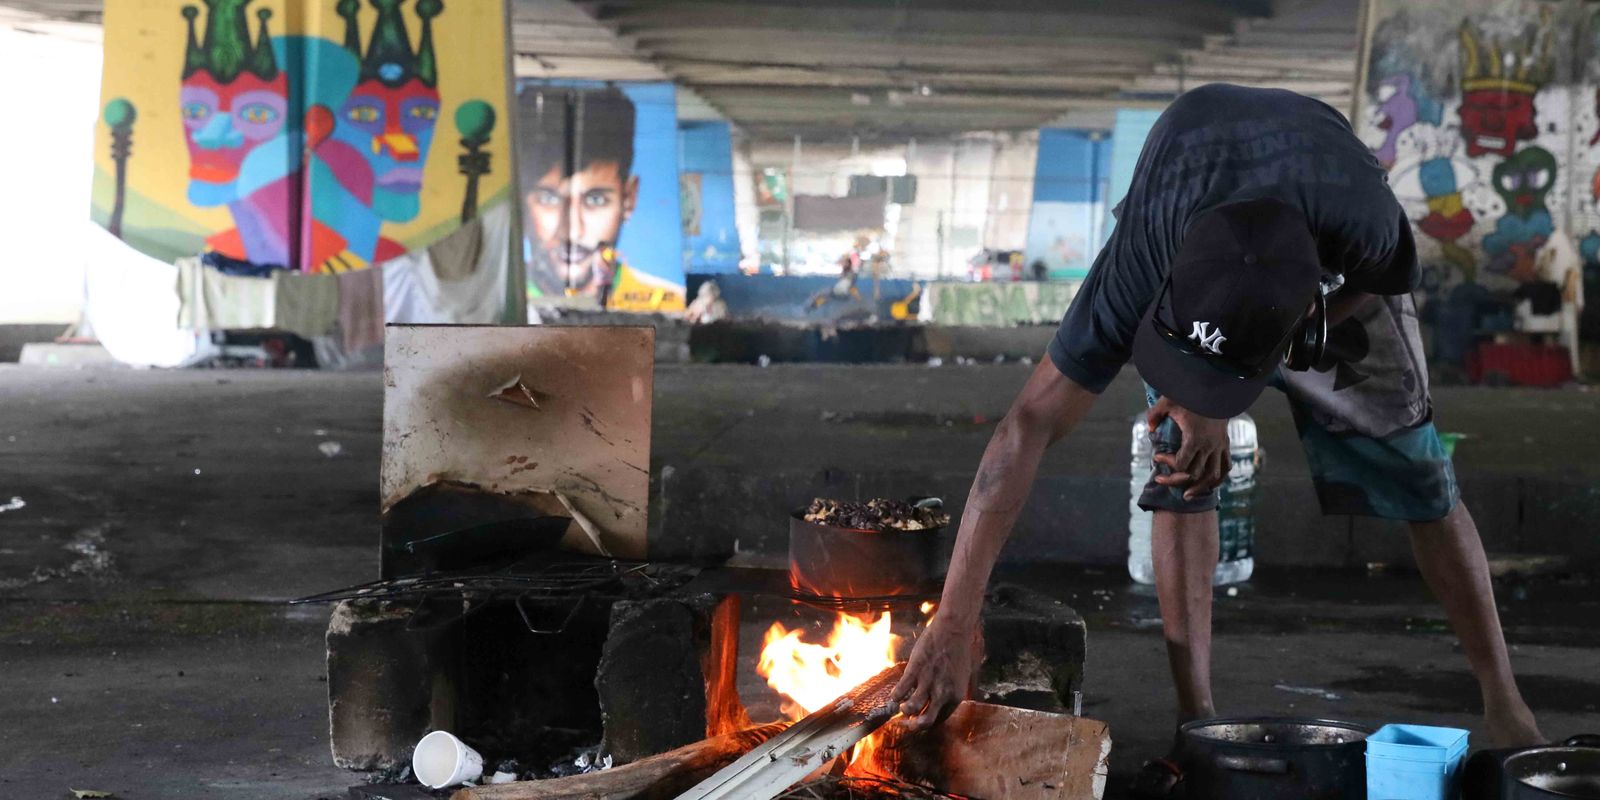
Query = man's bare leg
x=1184 y=549
x=1450 y=556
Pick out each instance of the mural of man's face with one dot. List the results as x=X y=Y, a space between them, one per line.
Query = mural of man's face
x=223 y=124
x=572 y=218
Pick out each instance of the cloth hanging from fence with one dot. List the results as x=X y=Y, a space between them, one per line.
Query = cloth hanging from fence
x=461 y=280
x=307 y=305
x=361 y=307
x=211 y=301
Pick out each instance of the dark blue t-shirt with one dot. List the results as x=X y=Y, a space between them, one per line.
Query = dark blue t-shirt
x=1221 y=143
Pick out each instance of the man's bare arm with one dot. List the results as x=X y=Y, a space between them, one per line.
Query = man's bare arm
x=1048 y=408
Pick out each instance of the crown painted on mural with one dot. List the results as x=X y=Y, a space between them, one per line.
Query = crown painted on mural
x=226 y=51
x=389 y=57
x=1523 y=68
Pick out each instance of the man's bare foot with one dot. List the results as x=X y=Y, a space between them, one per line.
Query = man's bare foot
x=1512 y=727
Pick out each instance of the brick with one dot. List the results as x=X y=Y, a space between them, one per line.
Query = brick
x=665 y=676
x=380 y=685
x=1033 y=650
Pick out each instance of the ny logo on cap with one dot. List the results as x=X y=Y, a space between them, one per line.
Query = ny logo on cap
x=1208 y=339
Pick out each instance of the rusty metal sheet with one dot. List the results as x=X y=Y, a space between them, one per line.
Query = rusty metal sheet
x=559 y=412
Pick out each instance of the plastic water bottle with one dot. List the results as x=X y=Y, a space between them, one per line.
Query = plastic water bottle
x=1236 y=517
x=1235 y=506
x=1140 y=566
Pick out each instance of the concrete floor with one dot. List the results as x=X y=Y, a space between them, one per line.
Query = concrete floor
x=145 y=649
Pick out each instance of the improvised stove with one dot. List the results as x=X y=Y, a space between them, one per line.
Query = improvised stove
x=515 y=608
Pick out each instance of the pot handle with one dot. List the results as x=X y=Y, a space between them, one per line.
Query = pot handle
x=1268 y=766
x=1583 y=740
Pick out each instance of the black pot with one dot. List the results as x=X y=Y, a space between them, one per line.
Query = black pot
x=1570 y=771
x=1273 y=758
x=845 y=562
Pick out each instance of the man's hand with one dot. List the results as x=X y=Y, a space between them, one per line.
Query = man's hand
x=938 y=674
x=1202 y=461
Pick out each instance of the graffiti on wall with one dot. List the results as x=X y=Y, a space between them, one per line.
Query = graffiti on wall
x=997 y=304
x=1478 y=134
x=229 y=131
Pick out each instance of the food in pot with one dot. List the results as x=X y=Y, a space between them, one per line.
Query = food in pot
x=878 y=514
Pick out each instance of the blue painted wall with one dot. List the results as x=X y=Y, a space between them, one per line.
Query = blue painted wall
x=1132 y=128
x=1069 y=209
x=706 y=150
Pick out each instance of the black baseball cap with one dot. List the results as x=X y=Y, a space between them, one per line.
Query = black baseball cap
x=1243 y=278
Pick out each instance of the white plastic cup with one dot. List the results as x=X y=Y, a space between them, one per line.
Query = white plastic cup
x=441 y=760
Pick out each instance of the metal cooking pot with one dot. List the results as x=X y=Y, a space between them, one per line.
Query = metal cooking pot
x=846 y=562
x=1569 y=771
x=1268 y=758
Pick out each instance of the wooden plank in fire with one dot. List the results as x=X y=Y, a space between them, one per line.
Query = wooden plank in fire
x=808 y=745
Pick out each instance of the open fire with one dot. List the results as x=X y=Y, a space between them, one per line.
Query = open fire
x=809 y=676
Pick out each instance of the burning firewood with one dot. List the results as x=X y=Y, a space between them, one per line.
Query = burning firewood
x=810 y=745
x=653 y=778
x=995 y=753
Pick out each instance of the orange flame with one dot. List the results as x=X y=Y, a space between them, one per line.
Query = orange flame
x=810 y=676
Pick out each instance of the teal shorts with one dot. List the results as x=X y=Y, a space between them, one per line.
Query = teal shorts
x=1365 y=422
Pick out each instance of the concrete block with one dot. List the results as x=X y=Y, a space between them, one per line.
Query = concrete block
x=1033 y=650
x=380 y=685
x=53 y=354
x=666 y=675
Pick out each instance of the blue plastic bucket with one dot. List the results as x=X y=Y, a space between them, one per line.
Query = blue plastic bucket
x=1415 y=762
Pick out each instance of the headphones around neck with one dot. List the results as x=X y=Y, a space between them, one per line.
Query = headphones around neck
x=1309 y=342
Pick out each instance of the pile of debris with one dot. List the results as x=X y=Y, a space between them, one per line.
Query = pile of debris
x=878 y=514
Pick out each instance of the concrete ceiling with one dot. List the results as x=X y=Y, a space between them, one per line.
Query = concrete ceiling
x=896 y=69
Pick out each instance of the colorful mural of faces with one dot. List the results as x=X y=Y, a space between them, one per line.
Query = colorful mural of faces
x=225 y=124
x=368 y=119
x=299 y=133
x=393 y=126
